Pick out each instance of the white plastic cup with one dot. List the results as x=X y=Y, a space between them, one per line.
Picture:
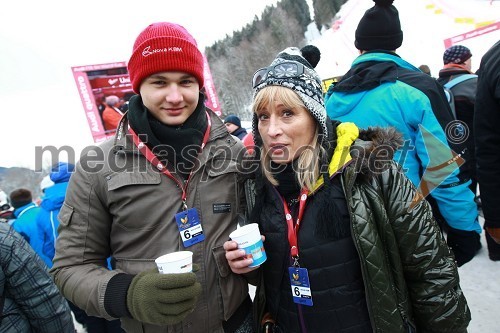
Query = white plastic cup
x=249 y=239
x=175 y=262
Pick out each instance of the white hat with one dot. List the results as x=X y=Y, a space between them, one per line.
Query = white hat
x=3 y=198
x=46 y=182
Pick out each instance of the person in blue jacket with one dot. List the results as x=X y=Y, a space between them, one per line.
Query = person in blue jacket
x=382 y=89
x=25 y=214
x=52 y=202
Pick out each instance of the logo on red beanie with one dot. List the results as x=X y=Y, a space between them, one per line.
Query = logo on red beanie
x=147 y=51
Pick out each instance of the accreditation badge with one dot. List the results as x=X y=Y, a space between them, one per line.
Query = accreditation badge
x=189 y=226
x=299 y=281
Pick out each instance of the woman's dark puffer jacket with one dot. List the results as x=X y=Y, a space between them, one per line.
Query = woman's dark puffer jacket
x=410 y=276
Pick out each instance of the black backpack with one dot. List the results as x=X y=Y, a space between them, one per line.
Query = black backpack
x=450 y=84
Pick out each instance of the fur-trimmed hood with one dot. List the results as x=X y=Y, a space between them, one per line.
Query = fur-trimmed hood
x=370 y=150
x=374 y=148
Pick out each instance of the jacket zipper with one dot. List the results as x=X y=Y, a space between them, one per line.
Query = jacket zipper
x=347 y=193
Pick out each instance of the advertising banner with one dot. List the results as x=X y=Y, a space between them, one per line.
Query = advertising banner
x=212 y=101
x=478 y=40
x=97 y=82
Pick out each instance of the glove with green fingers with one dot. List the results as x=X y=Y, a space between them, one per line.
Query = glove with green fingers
x=162 y=299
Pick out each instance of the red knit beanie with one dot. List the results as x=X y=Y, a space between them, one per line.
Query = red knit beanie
x=163 y=47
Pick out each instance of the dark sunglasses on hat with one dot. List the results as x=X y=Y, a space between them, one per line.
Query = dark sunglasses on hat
x=286 y=69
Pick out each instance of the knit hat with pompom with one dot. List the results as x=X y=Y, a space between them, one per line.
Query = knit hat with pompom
x=307 y=84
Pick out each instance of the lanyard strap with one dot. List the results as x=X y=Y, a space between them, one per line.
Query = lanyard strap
x=294 y=229
x=151 y=157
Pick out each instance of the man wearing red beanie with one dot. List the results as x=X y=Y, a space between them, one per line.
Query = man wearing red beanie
x=168 y=182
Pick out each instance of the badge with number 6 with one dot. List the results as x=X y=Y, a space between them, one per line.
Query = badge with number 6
x=189 y=226
x=301 y=289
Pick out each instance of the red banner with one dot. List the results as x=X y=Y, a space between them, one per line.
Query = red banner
x=471 y=34
x=95 y=83
x=212 y=101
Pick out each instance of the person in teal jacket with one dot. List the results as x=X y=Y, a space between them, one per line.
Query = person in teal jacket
x=381 y=89
x=51 y=204
x=25 y=213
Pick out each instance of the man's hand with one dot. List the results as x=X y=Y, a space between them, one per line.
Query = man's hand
x=162 y=299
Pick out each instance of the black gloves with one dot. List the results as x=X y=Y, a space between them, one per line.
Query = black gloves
x=464 y=244
x=162 y=299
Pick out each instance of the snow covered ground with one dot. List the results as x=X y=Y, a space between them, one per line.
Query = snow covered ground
x=480 y=282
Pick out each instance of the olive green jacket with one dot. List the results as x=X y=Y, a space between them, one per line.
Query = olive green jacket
x=117 y=205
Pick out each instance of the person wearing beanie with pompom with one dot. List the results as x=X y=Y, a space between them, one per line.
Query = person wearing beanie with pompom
x=348 y=250
x=382 y=89
x=168 y=181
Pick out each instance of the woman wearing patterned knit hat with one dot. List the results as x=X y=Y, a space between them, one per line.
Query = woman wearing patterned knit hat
x=164 y=184
x=350 y=245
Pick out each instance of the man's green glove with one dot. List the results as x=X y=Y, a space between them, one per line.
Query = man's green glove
x=162 y=299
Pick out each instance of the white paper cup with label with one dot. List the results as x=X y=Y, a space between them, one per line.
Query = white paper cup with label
x=175 y=262
x=249 y=239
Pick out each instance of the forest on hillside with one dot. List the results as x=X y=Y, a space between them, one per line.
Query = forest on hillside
x=234 y=60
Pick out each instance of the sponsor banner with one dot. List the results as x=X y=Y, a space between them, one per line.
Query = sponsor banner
x=471 y=34
x=94 y=84
x=212 y=101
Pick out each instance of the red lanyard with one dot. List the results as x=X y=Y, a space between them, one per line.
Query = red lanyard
x=294 y=229
x=144 y=149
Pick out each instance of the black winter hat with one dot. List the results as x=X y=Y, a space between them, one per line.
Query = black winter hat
x=379 y=28
x=232 y=119
x=20 y=197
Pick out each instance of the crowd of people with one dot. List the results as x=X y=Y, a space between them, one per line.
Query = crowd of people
x=365 y=206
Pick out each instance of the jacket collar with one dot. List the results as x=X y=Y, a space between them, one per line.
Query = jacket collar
x=21 y=210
